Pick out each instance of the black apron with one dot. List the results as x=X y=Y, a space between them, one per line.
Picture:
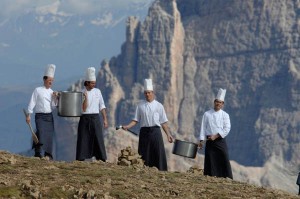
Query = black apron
x=151 y=148
x=45 y=132
x=90 y=141
x=216 y=162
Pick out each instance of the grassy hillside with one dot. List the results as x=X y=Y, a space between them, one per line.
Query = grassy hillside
x=23 y=177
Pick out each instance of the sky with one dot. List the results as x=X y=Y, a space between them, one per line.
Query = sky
x=11 y=8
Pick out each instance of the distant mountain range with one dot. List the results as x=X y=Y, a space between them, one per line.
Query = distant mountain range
x=38 y=37
x=73 y=42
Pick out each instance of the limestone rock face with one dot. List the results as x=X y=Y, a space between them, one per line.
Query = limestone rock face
x=191 y=49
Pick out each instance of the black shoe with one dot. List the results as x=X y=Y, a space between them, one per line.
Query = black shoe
x=48 y=155
x=38 y=154
x=37 y=150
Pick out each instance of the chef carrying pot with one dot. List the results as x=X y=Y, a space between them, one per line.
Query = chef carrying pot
x=151 y=116
x=90 y=141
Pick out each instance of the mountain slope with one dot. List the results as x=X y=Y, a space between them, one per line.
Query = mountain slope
x=23 y=177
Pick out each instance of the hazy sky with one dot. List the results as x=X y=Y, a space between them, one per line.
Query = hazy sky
x=11 y=8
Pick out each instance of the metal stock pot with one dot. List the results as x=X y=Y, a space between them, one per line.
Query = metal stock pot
x=70 y=104
x=185 y=149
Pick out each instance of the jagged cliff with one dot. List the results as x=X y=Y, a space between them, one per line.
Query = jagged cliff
x=192 y=48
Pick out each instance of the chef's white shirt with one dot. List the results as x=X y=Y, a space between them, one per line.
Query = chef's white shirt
x=215 y=122
x=150 y=114
x=95 y=101
x=41 y=100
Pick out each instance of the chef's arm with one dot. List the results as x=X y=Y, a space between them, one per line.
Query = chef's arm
x=130 y=125
x=28 y=118
x=31 y=105
x=167 y=131
x=201 y=143
x=214 y=137
x=103 y=113
x=226 y=127
x=85 y=102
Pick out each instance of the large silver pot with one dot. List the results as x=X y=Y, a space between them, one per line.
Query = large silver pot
x=185 y=149
x=70 y=104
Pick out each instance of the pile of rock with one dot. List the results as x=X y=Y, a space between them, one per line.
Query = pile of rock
x=129 y=157
x=195 y=170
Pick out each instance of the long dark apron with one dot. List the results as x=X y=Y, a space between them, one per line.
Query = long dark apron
x=45 y=131
x=90 y=141
x=216 y=162
x=151 y=148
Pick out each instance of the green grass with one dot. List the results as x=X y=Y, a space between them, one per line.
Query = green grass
x=8 y=192
x=58 y=192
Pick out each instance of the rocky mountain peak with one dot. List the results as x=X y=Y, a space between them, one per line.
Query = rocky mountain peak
x=191 y=49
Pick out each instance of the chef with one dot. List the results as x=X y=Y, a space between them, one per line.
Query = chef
x=90 y=141
x=151 y=116
x=42 y=101
x=214 y=128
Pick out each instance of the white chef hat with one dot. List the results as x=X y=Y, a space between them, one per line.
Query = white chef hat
x=221 y=94
x=90 y=74
x=148 y=86
x=50 y=70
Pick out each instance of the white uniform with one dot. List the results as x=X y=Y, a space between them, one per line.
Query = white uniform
x=95 y=101
x=41 y=100
x=150 y=114
x=215 y=122
x=41 y=103
x=90 y=141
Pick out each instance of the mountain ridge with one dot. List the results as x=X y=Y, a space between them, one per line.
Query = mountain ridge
x=23 y=177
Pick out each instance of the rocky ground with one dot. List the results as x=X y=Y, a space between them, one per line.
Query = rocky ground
x=24 y=177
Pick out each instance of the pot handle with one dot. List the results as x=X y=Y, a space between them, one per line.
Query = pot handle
x=120 y=127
